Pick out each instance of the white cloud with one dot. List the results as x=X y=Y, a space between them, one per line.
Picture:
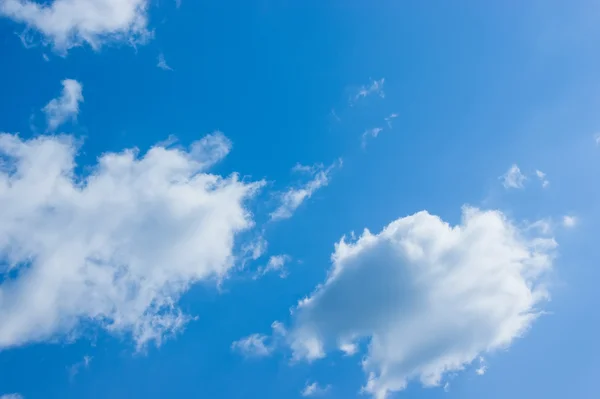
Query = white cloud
x=309 y=169
x=447 y=387
x=66 y=107
x=83 y=364
x=69 y=23
x=210 y=149
x=482 y=367
x=513 y=178
x=11 y=396
x=115 y=248
x=375 y=87
x=314 y=389
x=260 y=345
x=253 y=345
x=295 y=196
x=390 y=118
x=597 y=138
x=569 y=221
x=542 y=176
x=348 y=348
x=276 y=263
x=162 y=63
x=370 y=133
x=26 y=39
x=255 y=248
x=452 y=293
x=542 y=226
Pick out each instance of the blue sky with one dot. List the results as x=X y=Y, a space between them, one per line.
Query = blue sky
x=185 y=188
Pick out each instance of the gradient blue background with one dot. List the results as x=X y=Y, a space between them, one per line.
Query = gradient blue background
x=478 y=85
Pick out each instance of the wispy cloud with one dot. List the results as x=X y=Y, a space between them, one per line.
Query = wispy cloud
x=77 y=367
x=162 y=63
x=276 y=264
x=211 y=149
x=252 y=250
x=375 y=87
x=65 y=107
x=291 y=199
x=513 y=178
x=542 y=177
x=253 y=345
x=308 y=169
x=26 y=38
x=335 y=116
x=260 y=345
x=368 y=134
x=389 y=119
x=314 y=389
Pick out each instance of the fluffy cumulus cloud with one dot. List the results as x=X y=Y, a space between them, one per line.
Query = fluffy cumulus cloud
x=426 y=297
x=291 y=199
x=68 y=23
x=115 y=248
x=66 y=107
x=513 y=178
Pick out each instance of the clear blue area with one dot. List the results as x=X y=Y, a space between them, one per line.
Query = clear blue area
x=477 y=86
